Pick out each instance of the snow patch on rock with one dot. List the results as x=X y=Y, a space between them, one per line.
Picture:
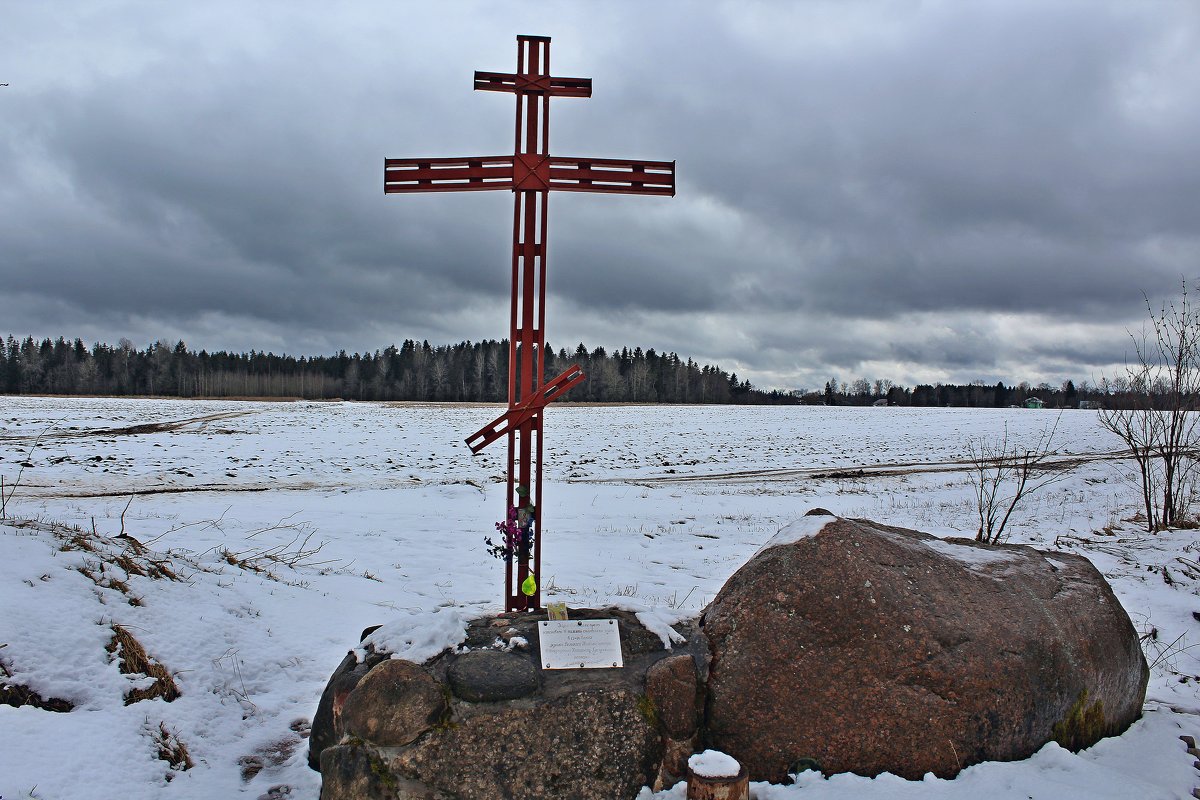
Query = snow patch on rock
x=418 y=636
x=971 y=555
x=658 y=621
x=803 y=528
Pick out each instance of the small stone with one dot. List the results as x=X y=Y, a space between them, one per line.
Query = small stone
x=490 y=676
x=674 y=766
x=671 y=685
x=355 y=772
x=327 y=722
x=395 y=703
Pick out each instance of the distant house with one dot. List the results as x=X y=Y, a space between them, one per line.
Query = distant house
x=1034 y=402
x=881 y=402
x=1090 y=404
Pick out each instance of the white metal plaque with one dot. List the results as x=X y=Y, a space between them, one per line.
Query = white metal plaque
x=580 y=644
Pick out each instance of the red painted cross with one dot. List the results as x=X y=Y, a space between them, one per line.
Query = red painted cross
x=530 y=173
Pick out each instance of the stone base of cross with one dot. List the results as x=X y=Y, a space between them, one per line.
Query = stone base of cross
x=530 y=173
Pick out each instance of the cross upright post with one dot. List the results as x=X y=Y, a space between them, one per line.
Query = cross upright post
x=530 y=173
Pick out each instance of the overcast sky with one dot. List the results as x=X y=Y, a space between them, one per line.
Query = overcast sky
x=918 y=191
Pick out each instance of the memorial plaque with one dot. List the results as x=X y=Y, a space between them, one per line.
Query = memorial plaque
x=581 y=644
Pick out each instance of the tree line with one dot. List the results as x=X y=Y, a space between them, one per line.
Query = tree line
x=467 y=371
x=978 y=394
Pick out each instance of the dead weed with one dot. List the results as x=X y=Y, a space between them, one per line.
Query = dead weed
x=135 y=661
x=171 y=749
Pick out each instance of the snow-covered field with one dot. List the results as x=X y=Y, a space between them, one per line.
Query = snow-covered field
x=290 y=527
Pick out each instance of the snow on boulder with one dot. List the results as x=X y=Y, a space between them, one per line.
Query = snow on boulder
x=851 y=646
x=807 y=526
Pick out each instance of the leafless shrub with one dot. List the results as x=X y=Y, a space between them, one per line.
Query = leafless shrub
x=1162 y=429
x=295 y=554
x=1165 y=655
x=1002 y=474
x=217 y=523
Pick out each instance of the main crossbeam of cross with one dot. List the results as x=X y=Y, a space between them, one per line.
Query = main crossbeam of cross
x=531 y=173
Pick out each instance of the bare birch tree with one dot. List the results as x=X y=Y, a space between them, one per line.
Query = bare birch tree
x=1162 y=429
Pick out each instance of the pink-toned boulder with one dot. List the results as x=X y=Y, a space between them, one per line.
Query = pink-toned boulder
x=851 y=646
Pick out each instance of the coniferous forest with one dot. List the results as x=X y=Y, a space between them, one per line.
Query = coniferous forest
x=463 y=372
x=468 y=371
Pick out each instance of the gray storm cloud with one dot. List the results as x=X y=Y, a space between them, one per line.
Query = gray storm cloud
x=918 y=191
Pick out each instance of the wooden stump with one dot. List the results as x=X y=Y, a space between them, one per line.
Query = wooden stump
x=700 y=787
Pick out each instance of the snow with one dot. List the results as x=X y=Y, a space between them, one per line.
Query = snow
x=1052 y=773
x=658 y=620
x=714 y=764
x=417 y=636
x=293 y=526
x=971 y=555
x=803 y=528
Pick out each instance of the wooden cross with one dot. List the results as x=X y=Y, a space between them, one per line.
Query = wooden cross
x=530 y=173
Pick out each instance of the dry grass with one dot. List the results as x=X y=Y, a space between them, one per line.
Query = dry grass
x=171 y=749
x=75 y=539
x=135 y=661
x=119 y=554
x=95 y=571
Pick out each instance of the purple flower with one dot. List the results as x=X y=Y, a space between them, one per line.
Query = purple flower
x=516 y=541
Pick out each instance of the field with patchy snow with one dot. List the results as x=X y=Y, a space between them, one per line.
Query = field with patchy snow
x=261 y=538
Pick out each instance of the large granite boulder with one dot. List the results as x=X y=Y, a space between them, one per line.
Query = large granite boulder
x=851 y=646
x=484 y=720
